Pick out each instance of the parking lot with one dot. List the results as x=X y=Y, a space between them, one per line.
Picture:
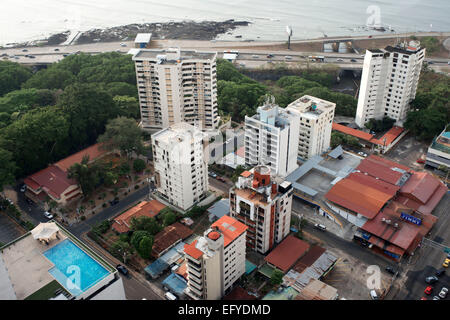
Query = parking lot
x=407 y=151
x=9 y=230
x=350 y=276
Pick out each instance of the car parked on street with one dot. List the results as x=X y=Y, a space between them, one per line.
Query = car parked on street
x=353 y=60
x=374 y=295
x=212 y=174
x=428 y=290
x=440 y=272
x=339 y=60
x=320 y=226
x=446 y=263
x=390 y=270
x=443 y=293
x=48 y=215
x=114 y=202
x=431 y=279
x=436 y=298
x=270 y=56
x=23 y=188
x=220 y=178
x=122 y=270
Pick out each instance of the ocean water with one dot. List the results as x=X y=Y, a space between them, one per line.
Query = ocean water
x=24 y=20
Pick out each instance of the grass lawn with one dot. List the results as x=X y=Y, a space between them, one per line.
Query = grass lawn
x=46 y=292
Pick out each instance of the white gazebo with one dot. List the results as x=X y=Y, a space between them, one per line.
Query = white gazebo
x=46 y=232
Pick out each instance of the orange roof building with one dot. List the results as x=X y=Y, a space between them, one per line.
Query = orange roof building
x=286 y=254
x=216 y=260
x=151 y=208
x=53 y=181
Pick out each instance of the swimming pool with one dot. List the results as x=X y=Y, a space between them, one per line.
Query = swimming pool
x=74 y=269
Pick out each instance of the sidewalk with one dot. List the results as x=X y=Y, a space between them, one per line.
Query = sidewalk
x=88 y=212
x=114 y=261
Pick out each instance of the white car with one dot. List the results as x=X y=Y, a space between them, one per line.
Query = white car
x=255 y=56
x=123 y=44
x=373 y=295
x=48 y=215
x=320 y=227
x=339 y=60
x=362 y=154
x=443 y=293
x=288 y=57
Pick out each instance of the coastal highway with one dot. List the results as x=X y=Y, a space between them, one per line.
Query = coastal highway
x=50 y=54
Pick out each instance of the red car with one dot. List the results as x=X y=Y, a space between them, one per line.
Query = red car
x=429 y=290
x=423 y=298
x=420 y=161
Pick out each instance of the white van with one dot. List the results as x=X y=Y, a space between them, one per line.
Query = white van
x=170 y=296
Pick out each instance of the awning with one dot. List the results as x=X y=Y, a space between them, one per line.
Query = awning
x=45 y=231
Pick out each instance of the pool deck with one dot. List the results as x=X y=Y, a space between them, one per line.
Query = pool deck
x=27 y=266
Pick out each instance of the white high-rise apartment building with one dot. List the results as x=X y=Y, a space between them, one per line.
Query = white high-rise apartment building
x=264 y=206
x=316 y=123
x=216 y=260
x=177 y=85
x=181 y=172
x=389 y=82
x=271 y=138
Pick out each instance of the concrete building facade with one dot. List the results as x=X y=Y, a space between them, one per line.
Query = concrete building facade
x=271 y=138
x=264 y=206
x=389 y=82
x=181 y=172
x=438 y=153
x=315 y=124
x=177 y=85
x=216 y=260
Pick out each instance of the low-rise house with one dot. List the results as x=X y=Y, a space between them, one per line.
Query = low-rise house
x=149 y=209
x=53 y=182
x=169 y=237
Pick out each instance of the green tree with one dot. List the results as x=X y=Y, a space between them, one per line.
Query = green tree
x=144 y=223
x=12 y=75
x=139 y=165
x=121 y=250
x=169 y=218
x=85 y=175
x=36 y=139
x=51 y=78
x=145 y=247
x=128 y=106
x=122 y=134
x=277 y=277
x=137 y=237
x=7 y=168
x=87 y=108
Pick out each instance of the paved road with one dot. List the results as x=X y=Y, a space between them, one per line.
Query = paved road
x=84 y=226
x=34 y=211
x=427 y=259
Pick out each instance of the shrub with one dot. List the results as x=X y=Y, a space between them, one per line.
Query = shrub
x=136 y=187
x=139 y=165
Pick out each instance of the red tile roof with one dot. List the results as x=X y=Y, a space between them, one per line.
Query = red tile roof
x=378 y=184
x=382 y=168
x=287 y=253
x=93 y=152
x=353 y=132
x=151 y=208
x=52 y=180
x=230 y=228
x=390 y=136
x=420 y=186
x=170 y=236
x=402 y=237
x=192 y=250
x=359 y=197
x=309 y=258
x=246 y=174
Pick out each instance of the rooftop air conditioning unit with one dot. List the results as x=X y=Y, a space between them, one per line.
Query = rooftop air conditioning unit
x=383 y=219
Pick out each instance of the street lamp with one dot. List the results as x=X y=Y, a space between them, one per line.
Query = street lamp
x=289 y=32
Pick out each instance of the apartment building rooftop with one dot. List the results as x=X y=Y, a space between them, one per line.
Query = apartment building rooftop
x=229 y=227
x=311 y=106
x=173 y=55
x=177 y=132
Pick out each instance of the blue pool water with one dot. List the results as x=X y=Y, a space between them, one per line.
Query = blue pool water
x=74 y=269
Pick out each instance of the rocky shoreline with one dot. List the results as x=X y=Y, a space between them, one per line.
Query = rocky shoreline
x=185 y=30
